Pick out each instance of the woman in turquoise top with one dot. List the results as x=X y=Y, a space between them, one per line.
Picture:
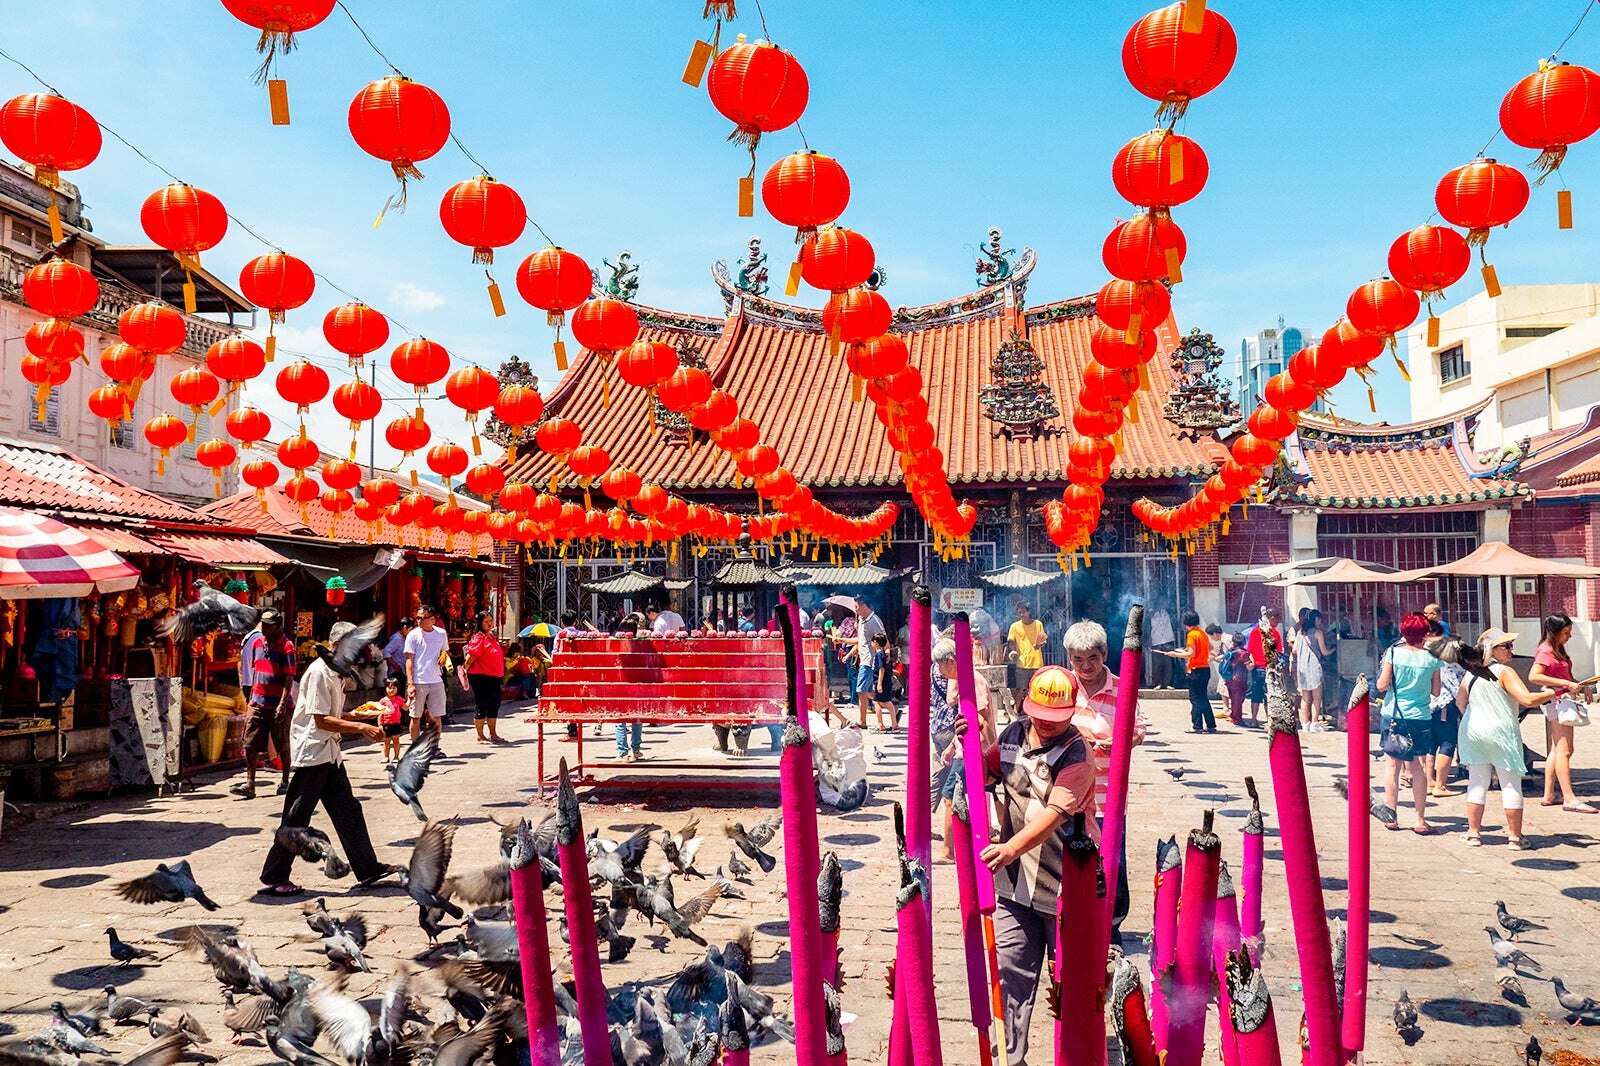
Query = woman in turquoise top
x=1412 y=672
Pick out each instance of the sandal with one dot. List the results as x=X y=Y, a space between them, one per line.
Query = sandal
x=1424 y=830
x=1393 y=827
x=1472 y=840
x=1517 y=844
x=1549 y=803
x=283 y=888
x=1580 y=808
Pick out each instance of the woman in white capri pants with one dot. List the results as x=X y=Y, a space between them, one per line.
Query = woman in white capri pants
x=1490 y=741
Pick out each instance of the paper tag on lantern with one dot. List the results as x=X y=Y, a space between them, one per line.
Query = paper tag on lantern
x=1144 y=376
x=747 y=197
x=271 y=346
x=56 y=233
x=561 y=355
x=213 y=410
x=1174 y=266
x=1194 y=15
x=188 y=296
x=1133 y=412
x=278 y=101
x=495 y=299
x=477 y=445
x=700 y=56
x=413 y=479
x=791 y=287
x=1175 y=164
x=1491 y=281
x=1564 y=208
x=1433 y=331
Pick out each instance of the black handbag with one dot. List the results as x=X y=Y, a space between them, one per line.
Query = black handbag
x=1396 y=745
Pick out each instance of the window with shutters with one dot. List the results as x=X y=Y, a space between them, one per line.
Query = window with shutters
x=125 y=435
x=1453 y=365
x=202 y=433
x=50 y=423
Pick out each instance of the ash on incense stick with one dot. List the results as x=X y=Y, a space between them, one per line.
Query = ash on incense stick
x=1252 y=821
x=1251 y=1004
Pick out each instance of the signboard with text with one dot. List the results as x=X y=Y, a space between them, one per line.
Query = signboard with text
x=951 y=600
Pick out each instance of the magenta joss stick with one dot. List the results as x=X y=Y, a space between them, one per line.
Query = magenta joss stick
x=1114 y=827
x=1080 y=970
x=533 y=950
x=1301 y=870
x=572 y=854
x=1164 y=934
x=1250 y=1008
x=801 y=862
x=972 y=758
x=913 y=971
x=1191 y=986
x=1129 y=1021
x=971 y=926
x=1251 y=931
x=1225 y=940
x=830 y=892
x=919 y=683
x=1358 y=722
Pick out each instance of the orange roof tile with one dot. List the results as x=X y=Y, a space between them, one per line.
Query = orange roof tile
x=1371 y=467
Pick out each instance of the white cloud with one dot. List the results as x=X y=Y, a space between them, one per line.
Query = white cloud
x=414 y=297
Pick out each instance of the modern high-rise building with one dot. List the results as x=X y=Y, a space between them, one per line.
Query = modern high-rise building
x=1262 y=356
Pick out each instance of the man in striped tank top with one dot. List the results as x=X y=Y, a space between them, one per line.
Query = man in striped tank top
x=1096 y=719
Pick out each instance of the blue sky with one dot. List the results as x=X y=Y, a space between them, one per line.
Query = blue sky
x=1325 y=143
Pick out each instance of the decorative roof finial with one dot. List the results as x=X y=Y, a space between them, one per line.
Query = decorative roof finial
x=994 y=262
x=624 y=281
x=753 y=270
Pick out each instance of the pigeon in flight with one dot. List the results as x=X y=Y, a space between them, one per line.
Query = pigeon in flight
x=210 y=611
x=169 y=884
x=407 y=777
x=751 y=841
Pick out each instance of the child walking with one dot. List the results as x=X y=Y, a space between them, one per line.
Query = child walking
x=391 y=714
x=883 y=682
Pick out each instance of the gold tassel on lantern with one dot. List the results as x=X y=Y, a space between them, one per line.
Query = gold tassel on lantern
x=1397 y=362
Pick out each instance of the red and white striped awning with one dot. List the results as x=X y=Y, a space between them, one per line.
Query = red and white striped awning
x=41 y=558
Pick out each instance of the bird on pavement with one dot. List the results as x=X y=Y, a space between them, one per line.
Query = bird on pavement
x=1508 y=953
x=1581 y=1008
x=170 y=1020
x=738 y=869
x=230 y=964
x=324 y=922
x=1532 y=1053
x=351 y=1030
x=211 y=610
x=751 y=841
x=407 y=777
x=1510 y=985
x=64 y=1035
x=168 y=884
x=123 y=952
x=344 y=949
x=1341 y=785
x=1176 y=773
x=1405 y=1014
x=37 y=1052
x=87 y=1024
x=249 y=1015
x=293 y=1050
x=1511 y=923
x=123 y=1009
x=617 y=861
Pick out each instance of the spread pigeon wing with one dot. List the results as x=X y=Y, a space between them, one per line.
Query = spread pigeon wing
x=762 y=832
x=163 y=1052
x=345 y=1023
x=481 y=887
x=151 y=888
x=355 y=642
x=430 y=857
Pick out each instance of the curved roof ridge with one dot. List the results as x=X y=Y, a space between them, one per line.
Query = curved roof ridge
x=1344 y=427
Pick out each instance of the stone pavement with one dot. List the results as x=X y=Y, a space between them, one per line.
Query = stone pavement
x=1431 y=896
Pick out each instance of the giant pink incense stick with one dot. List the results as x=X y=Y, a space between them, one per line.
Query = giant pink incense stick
x=1251 y=931
x=1225 y=939
x=572 y=853
x=533 y=949
x=978 y=987
x=1114 y=828
x=1191 y=987
x=1080 y=963
x=830 y=892
x=919 y=757
x=913 y=972
x=1301 y=869
x=1250 y=1008
x=1129 y=1021
x=1358 y=722
x=975 y=769
x=1164 y=934
x=801 y=862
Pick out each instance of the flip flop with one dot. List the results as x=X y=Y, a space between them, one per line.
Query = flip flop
x=1549 y=803
x=1393 y=827
x=1580 y=808
x=1424 y=830
x=286 y=888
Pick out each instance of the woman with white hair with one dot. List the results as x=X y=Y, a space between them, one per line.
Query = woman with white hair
x=949 y=771
x=1490 y=740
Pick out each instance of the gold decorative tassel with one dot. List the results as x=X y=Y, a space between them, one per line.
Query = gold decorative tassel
x=605 y=392
x=1133 y=413
x=1144 y=376
x=561 y=354
x=1397 y=362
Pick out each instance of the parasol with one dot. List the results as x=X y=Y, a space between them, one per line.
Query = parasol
x=538 y=629
x=845 y=603
x=41 y=558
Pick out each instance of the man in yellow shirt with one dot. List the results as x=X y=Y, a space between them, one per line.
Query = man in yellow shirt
x=1025 y=642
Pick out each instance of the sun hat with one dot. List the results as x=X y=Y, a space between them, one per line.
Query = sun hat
x=1493 y=637
x=1052 y=695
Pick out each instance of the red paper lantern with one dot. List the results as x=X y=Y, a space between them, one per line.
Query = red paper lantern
x=1095 y=423
x=124 y=363
x=236 y=360
x=165 y=432
x=1111 y=348
x=903 y=386
x=1159 y=169
x=336 y=501
x=1285 y=393
x=1429 y=259
x=758 y=87
x=303 y=384
x=356 y=330
x=341 y=474
x=1349 y=346
x=686 y=387
x=558 y=436
x=1110 y=387
x=1132 y=305
x=485 y=479
x=215 y=454
x=1093 y=455
x=646 y=364
x=358 y=402
x=380 y=491
x=60 y=288
x=1556 y=106
x=555 y=281
x=604 y=325
x=407 y=434
x=473 y=389
x=1253 y=451
x=805 y=190
x=54 y=340
x=621 y=484
x=518 y=406
x=278 y=282
x=483 y=214
x=195 y=389
x=259 y=474
x=1481 y=195
x=50 y=133
x=278 y=21
x=719 y=410
x=448 y=461
x=737 y=436
x=299 y=453
x=588 y=461
x=153 y=327
x=401 y=122
x=111 y=403
x=301 y=489
x=1147 y=247
x=856 y=315
x=420 y=363
x=1314 y=368
x=1172 y=66
x=878 y=357
x=1382 y=306
x=185 y=220
x=836 y=259
x=247 y=425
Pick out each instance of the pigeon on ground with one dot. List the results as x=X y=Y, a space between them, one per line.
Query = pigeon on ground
x=407 y=777
x=210 y=611
x=1576 y=1006
x=1532 y=1053
x=729 y=889
x=751 y=841
x=738 y=869
x=313 y=846
x=618 y=944
x=64 y=1035
x=352 y=1031
x=325 y=923
x=1341 y=785
x=249 y=1015
x=1405 y=1014
x=424 y=877
x=293 y=1050
x=680 y=848
x=653 y=900
x=168 y=884
x=1508 y=953
x=494 y=941
x=1176 y=773
x=124 y=952
x=87 y=1024
x=173 y=1020
x=1511 y=923
x=123 y=1009
x=1510 y=985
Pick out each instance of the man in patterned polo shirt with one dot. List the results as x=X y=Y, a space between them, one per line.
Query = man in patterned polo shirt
x=272 y=675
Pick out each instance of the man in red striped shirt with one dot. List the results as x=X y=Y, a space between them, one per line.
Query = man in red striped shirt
x=1096 y=719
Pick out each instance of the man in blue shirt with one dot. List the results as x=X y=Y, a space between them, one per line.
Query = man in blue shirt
x=394 y=653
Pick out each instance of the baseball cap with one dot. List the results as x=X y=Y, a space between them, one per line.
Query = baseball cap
x=271 y=616
x=1493 y=636
x=1052 y=695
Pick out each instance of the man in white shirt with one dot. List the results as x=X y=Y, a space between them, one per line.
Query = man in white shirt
x=868 y=625
x=664 y=621
x=425 y=646
x=318 y=775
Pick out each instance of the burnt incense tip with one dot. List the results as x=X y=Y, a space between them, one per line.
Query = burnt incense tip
x=830 y=891
x=922 y=595
x=963 y=618
x=794 y=735
x=1124 y=983
x=789 y=592
x=1251 y=1003
x=1208 y=819
x=1168 y=855
x=1250 y=788
x=569 y=820
x=1225 y=886
x=958 y=806
x=1134 y=637
x=1360 y=693
x=1281 y=716
x=523 y=850
x=1203 y=838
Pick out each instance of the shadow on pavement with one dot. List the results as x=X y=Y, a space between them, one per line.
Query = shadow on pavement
x=1470 y=1012
x=1408 y=958
x=55 y=848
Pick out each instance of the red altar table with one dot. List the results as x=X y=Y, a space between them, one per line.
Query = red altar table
x=712 y=680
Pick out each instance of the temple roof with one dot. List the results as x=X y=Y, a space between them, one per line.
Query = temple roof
x=773 y=358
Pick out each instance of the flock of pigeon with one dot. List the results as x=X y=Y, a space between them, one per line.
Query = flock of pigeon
x=306 y=1016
